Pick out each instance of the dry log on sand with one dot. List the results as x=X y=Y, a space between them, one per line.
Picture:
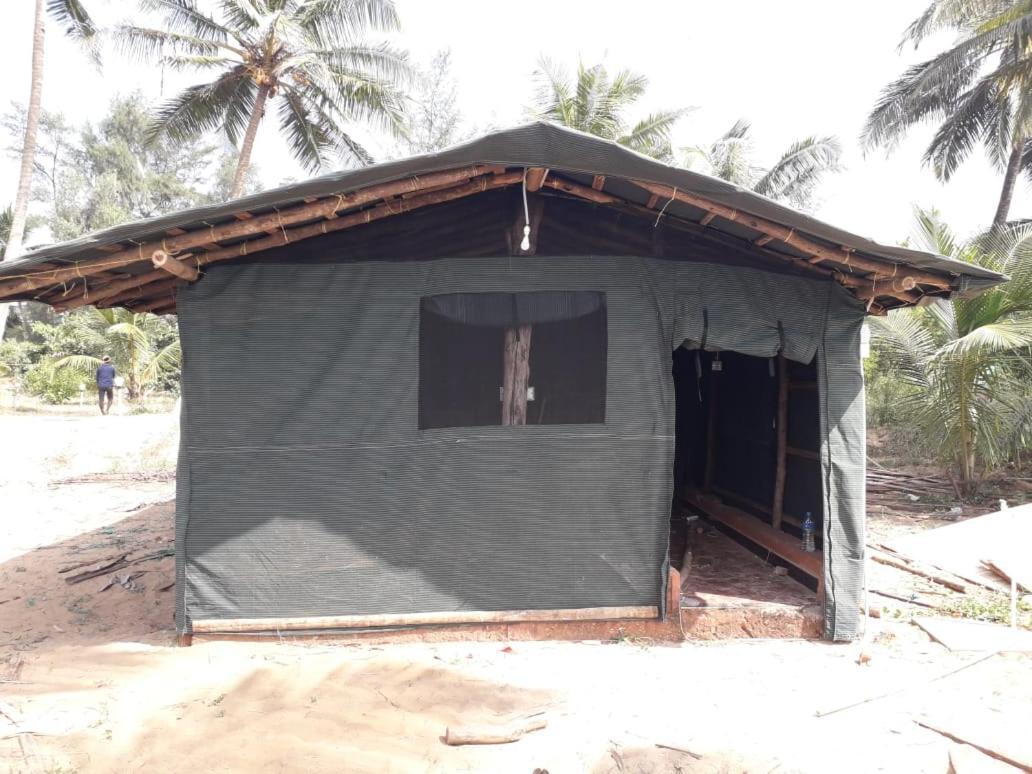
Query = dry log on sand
x=495 y=733
x=899 y=564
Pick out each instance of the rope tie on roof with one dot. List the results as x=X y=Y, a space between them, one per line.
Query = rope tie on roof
x=279 y=222
x=788 y=239
x=668 y=201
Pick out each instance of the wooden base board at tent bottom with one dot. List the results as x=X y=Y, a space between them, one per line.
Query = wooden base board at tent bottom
x=587 y=623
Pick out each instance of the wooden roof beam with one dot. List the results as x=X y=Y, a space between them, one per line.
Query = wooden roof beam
x=174 y=266
x=233 y=230
x=536 y=178
x=802 y=243
x=904 y=294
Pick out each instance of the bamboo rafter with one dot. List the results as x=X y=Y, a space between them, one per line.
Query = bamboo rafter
x=816 y=251
x=321 y=208
x=140 y=286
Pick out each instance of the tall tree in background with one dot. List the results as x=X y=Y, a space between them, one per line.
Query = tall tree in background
x=793 y=178
x=433 y=120
x=964 y=363
x=597 y=103
x=979 y=91
x=78 y=25
x=307 y=55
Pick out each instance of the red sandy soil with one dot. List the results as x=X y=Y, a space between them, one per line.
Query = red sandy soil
x=91 y=681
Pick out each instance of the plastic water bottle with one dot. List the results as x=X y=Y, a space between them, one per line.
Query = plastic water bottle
x=809 y=533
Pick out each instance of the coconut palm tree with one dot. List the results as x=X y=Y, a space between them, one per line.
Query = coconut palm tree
x=979 y=91
x=965 y=363
x=793 y=178
x=306 y=56
x=597 y=103
x=130 y=338
x=79 y=26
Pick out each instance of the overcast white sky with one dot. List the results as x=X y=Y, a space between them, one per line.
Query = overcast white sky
x=793 y=67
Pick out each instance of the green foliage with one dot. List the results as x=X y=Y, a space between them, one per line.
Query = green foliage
x=144 y=348
x=51 y=383
x=964 y=366
x=433 y=120
x=595 y=102
x=17 y=357
x=101 y=175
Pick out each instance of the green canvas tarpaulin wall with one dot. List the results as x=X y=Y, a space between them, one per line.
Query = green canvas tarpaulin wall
x=307 y=488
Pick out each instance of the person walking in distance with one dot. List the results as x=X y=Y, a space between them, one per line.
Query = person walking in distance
x=106 y=384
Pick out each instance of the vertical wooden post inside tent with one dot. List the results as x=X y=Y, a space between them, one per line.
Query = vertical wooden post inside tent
x=516 y=377
x=516 y=363
x=777 y=508
x=711 y=426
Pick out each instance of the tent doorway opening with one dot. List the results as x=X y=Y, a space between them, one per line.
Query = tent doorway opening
x=747 y=474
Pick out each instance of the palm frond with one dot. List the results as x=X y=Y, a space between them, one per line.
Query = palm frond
x=800 y=169
x=184 y=17
x=77 y=23
x=225 y=103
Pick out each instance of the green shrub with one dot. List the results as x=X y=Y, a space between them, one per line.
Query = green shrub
x=51 y=384
x=16 y=357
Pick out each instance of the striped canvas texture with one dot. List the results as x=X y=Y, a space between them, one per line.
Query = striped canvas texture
x=307 y=489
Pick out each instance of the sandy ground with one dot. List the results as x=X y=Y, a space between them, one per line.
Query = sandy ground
x=90 y=679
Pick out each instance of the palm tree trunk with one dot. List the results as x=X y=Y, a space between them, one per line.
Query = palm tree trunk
x=28 y=153
x=245 y=150
x=1009 y=180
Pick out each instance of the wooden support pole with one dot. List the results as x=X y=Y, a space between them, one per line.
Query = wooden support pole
x=516 y=375
x=421 y=619
x=322 y=208
x=711 y=428
x=777 y=508
x=789 y=236
x=536 y=178
x=174 y=266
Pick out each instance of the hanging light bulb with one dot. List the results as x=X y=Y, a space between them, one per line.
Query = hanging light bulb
x=525 y=244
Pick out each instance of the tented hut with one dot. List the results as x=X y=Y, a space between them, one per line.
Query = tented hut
x=449 y=389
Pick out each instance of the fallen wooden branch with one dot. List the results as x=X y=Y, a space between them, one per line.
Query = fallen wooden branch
x=1014 y=758
x=88 y=562
x=679 y=749
x=868 y=700
x=899 y=564
x=118 y=564
x=495 y=733
x=900 y=598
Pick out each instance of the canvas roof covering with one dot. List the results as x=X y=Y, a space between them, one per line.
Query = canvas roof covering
x=574 y=155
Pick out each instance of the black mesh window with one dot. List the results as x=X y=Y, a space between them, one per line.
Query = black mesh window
x=512 y=358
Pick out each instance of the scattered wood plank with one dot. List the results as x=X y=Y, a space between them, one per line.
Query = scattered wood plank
x=495 y=733
x=117 y=564
x=988 y=737
x=966 y=759
x=900 y=598
x=679 y=749
x=895 y=691
x=88 y=562
x=899 y=564
x=958 y=634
